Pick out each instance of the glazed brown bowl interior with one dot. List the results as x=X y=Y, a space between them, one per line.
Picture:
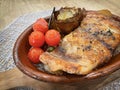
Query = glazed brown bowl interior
x=21 y=60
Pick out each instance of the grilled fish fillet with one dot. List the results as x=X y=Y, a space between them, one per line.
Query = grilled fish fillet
x=83 y=50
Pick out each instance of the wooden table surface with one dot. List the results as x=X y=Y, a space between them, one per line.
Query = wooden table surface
x=11 y=9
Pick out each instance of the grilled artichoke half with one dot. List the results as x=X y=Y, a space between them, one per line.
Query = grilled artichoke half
x=67 y=19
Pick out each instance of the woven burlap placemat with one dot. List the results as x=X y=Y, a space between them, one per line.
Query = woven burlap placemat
x=9 y=35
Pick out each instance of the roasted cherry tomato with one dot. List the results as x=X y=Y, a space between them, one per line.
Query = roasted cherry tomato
x=40 y=25
x=43 y=21
x=34 y=54
x=52 y=37
x=36 y=39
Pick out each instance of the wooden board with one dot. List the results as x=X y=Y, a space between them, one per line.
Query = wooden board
x=15 y=77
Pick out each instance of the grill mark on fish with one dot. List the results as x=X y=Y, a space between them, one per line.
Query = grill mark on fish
x=59 y=53
x=109 y=47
